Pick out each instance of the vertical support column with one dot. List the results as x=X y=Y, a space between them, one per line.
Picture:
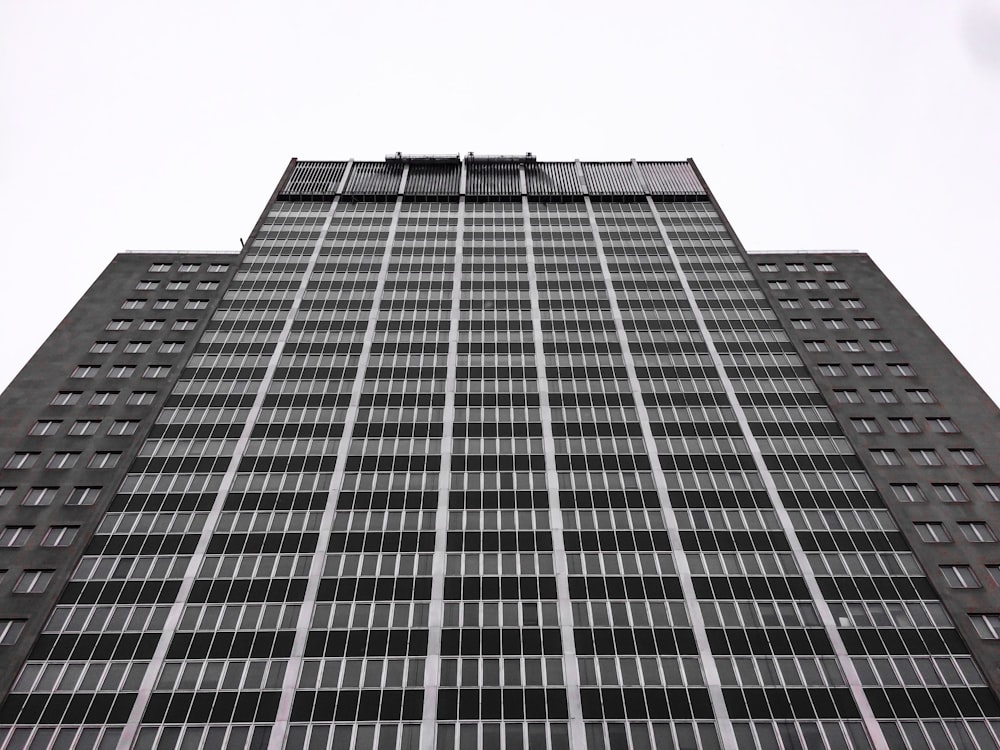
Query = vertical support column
x=808 y=574
x=571 y=667
x=152 y=672
x=705 y=656
x=307 y=610
x=432 y=664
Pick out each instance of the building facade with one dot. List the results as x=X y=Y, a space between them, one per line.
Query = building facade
x=497 y=453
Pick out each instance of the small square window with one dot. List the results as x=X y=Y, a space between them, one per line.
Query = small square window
x=778 y=284
x=866 y=425
x=921 y=396
x=45 y=427
x=159 y=268
x=800 y=324
x=6 y=493
x=834 y=324
x=63 y=460
x=33 y=581
x=189 y=267
x=883 y=345
x=102 y=347
x=866 y=370
x=208 y=286
x=933 y=533
x=816 y=346
x=965 y=457
x=118 y=325
x=104 y=398
x=820 y=304
x=883 y=396
x=943 y=425
x=21 y=460
x=147 y=285
x=39 y=496
x=123 y=427
x=977 y=531
x=807 y=284
x=796 y=267
x=908 y=493
x=60 y=536
x=838 y=284
x=960 y=577
x=137 y=347
x=852 y=304
x=904 y=425
x=157 y=371
x=104 y=460
x=141 y=398
x=84 y=427
x=66 y=398
x=83 y=496
x=950 y=493
x=10 y=631
x=171 y=347
x=121 y=371
x=989 y=492
x=789 y=304
x=196 y=304
x=15 y=536
x=850 y=346
x=831 y=370
x=151 y=325
x=176 y=286
x=133 y=304
x=902 y=370
x=867 y=324
x=925 y=457
x=886 y=457
x=185 y=325
x=767 y=267
x=85 y=371
x=847 y=397
x=218 y=267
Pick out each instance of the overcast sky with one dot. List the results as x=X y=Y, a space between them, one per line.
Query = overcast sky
x=858 y=124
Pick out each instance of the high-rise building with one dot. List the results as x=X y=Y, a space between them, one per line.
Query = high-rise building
x=504 y=454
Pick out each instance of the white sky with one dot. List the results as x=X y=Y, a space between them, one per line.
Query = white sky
x=859 y=124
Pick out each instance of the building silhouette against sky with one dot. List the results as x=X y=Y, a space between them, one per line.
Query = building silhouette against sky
x=497 y=453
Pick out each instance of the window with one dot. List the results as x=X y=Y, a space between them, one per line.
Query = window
x=208 y=286
x=850 y=346
x=802 y=325
x=950 y=493
x=185 y=325
x=884 y=345
x=789 y=304
x=104 y=398
x=908 y=493
x=45 y=427
x=852 y=304
x=63 y=460
x=807 y=284
x=196 y=304
x=885 y=457
x=151 y=325
x=84 y=427
x=960 y=577
x=921 y=396
x=165 y=304
x=834 y=324
x=133 y=304
x=123 y=427
x=171 y=347
x=778 y=284
x=825 y=267
x=820 y=304
x=838 y=284
x=925 y=457
x=176 y=286
x=6 y=493
x=121 y=371
x=796 y=267
x=38 y=496
x=847 y=397
x=867 y=324
x=136 y=347
x=85 y=371
x=157 y=371
x=866 y=425
x=902 y=370
x=943 y=425
x=883 y=396
x=965 y=457
x=218 y=267
x=767 y=267
x=66 y=398
x=933 y=533
x=189 y=267
x=60 y=536
x=816 y=346
x=103 y=460
x=83 y=496
x=977 y=531
x=118 y=325
x=147 y=285
x=159 y=268
x=141 y=398
x=15 y=536
x=102 y=347
x=33 y=581
x=904 y=425
x=989 y=492
x=866 y=370
x=21 y=460
x=831 y=370
x=10 y=631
